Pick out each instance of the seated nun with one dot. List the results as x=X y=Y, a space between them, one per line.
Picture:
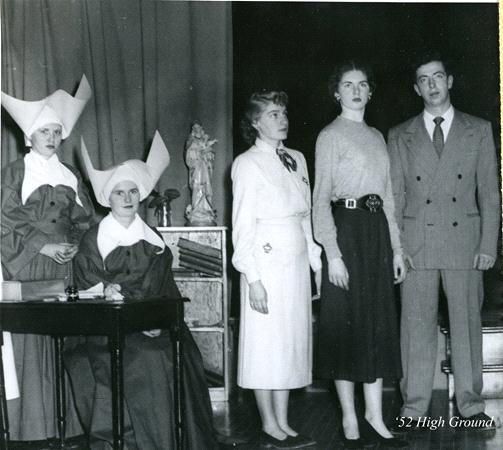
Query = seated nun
x=132 y=260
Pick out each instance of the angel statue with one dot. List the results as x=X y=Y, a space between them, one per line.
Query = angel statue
x=199 y=156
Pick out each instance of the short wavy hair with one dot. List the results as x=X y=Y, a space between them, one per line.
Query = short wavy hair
x=347 y=66
x=421 y=59
x=255 y=105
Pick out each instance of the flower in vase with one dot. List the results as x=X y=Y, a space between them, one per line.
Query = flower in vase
x=162 y=205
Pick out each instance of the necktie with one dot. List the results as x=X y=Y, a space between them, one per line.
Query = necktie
x=438 y=135
x=286 y=159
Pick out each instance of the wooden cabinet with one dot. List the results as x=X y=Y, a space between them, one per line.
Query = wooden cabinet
x=207 y=313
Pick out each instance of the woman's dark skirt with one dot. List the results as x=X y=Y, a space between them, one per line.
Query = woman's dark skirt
x=358 y=337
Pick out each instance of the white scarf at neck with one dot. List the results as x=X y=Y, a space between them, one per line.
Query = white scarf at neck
x=39 y=171
x=111 y=234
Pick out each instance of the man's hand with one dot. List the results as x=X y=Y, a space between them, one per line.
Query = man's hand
x=409 y=264
x=338 y=274
x=483 y=262
x=258 y=297
x=399 y=268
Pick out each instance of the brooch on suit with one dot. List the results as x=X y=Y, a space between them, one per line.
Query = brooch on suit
x=304 y=179
x=267 y=248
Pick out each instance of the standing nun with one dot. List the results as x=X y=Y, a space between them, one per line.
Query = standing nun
x=45 y=211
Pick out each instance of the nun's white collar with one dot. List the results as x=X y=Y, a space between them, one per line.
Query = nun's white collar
x=111 y=234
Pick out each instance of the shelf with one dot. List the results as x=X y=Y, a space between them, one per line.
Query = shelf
x=215 y=329
x=208 y=311
x=447 y=368
x=183 y=274
x=189 y=229
x=487 y=329
x=201 y=279
x=218 y=394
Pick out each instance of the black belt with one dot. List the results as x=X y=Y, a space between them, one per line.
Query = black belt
x=370 y=202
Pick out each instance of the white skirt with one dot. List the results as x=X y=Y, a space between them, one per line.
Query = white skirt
x=275 y=349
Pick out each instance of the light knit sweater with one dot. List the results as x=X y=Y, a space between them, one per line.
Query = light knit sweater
x=351 y=161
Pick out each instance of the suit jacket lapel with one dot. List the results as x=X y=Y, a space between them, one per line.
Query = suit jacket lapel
x=419 y=144
x=461 y=130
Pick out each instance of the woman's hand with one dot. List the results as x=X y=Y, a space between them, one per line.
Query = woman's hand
x=113 y=292
x=152 y=333
x=61 y=253
x=317 y=281
x=399 y=268
x=338 y=274
x=258 y=297
x=71 y=251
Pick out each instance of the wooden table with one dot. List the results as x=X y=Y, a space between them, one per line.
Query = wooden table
x=95 y=317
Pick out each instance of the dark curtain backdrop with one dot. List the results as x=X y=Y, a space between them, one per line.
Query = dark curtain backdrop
x=151 y=65
x=295 y=45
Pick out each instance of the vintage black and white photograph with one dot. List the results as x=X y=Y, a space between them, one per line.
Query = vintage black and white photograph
x=250 y=225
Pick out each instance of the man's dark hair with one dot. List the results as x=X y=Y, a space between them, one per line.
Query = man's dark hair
x=426 y=57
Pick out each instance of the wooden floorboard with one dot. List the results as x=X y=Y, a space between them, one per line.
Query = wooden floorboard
x=317 y=415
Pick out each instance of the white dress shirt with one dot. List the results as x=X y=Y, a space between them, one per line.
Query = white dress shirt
x=448 y=116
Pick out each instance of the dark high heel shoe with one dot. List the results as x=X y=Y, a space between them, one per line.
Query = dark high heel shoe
x=301 y=441
x=369 y=434
x=353 y=444
x=268 y=441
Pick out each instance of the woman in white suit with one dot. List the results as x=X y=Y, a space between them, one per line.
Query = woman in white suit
x=273 y=249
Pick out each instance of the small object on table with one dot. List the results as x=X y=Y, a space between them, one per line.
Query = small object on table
x=162 y=205
x=72 y=293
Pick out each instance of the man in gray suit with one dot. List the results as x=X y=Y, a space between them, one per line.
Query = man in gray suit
x=445 y=183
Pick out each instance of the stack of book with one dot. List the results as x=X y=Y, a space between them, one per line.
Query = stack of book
x=200 y=257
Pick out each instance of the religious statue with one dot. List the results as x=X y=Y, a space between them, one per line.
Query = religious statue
x=199 y=156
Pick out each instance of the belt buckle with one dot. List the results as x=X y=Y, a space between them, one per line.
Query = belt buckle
x=373 y=203
x=350 y=203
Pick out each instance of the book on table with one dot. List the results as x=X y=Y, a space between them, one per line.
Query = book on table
x=201 y=256
x=200 y=262
x=199 y=248
x=201 y=269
